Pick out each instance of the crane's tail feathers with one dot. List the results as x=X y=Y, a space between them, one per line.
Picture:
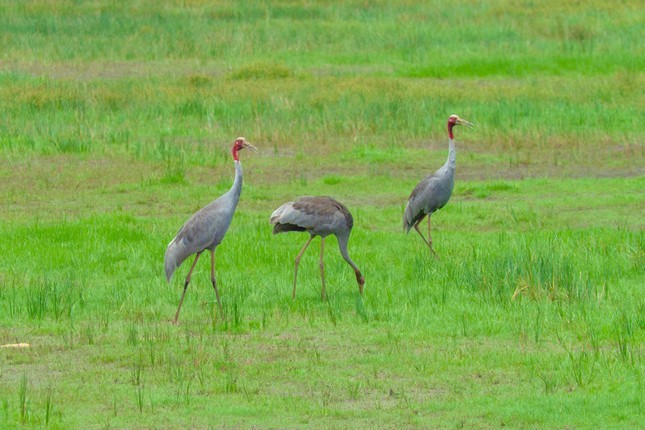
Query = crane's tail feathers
x=283 y=228
x=277 y=214
x=169 y=269
x=407 y=225
x=171 y=260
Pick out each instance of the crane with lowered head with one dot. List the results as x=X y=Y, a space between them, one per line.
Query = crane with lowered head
x=318 y=216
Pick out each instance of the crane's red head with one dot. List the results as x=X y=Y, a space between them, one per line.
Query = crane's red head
x=241 y=143
x=455 y=120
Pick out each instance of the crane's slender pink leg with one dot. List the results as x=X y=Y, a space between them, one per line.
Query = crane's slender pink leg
x=416 y=227
x=295 y=274
x=430 y=240
x=322 y=268
x=219 y=303
x=181 y=301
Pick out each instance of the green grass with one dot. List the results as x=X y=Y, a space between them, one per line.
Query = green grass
x=116 y=120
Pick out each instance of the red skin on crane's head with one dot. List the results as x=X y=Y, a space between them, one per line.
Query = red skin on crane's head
x=241 y=143
x=451 y=122
x=455 y=120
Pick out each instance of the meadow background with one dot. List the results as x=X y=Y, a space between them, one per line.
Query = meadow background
x=116 y=121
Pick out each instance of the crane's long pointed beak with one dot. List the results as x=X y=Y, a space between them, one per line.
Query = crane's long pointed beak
x=251 y=147
x=466 y=123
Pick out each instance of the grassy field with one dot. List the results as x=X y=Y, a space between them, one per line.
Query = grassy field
x=116 y=122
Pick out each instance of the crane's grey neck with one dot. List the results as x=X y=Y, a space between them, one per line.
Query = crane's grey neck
x=342 y=244
x=451 y=162
x=236 y=189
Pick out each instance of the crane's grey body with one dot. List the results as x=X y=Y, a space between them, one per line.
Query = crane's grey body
x=432 y=193
x=206 y=228
x=319 y=216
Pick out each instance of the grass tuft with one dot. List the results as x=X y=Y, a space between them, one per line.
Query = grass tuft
x=261 y=71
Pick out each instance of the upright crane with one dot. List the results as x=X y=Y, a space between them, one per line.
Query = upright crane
x=206 y=229
x=434 y=191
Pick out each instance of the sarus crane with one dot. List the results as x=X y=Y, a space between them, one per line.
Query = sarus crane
x=206 y=229
x=434 y=191
x=318 y=216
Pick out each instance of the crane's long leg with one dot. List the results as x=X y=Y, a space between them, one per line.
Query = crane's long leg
x=416 y=227
x=429 y=243
x=181 y=301
x=219 y=303
x=430 y=240
x=295 y=274
x=322 y=268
